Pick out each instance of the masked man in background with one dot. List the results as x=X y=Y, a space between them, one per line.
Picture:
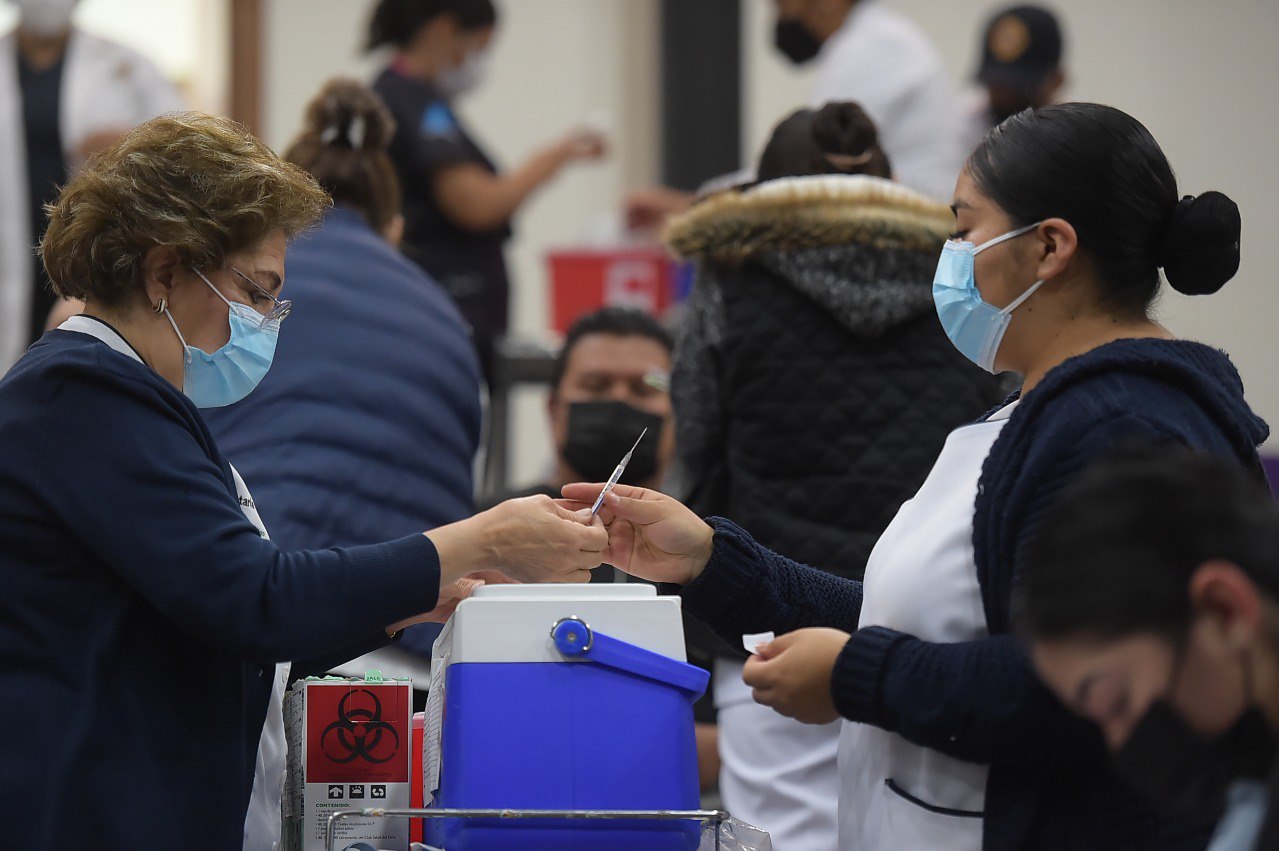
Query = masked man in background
x=609 y=383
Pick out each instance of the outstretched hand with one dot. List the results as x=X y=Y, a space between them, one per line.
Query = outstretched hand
x=529 y=540
x=650 y=535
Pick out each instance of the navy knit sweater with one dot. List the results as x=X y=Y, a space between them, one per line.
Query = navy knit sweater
x=141 y=613
x=1048 y=786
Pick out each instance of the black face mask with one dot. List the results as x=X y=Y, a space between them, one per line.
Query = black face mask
x=1181 y=770
x=795 y=41
x=600 y=433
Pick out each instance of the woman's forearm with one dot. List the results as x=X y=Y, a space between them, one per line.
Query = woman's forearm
x=476 y=200
x=746 y=587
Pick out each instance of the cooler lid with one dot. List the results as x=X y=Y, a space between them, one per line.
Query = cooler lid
x=512 y=623
x=567 y=591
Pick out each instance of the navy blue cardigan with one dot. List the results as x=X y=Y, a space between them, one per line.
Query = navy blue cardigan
x=1048 y=786
x=366 y=427
x=141 y=613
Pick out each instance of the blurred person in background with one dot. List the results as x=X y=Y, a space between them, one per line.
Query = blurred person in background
x=458 y=206
x=1021 y=68
x=1064 y=218
x=609 y=382
x=367 y=426
x=813 y=388
x=870 y=54
x=64 y=94
x=1150 y=601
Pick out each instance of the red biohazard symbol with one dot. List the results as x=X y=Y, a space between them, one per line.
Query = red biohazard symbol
x=359 y=732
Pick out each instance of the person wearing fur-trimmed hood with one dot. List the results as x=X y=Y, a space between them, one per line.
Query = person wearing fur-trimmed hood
x=813 y=389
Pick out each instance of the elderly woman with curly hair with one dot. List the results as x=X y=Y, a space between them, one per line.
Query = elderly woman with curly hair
x=147 y=620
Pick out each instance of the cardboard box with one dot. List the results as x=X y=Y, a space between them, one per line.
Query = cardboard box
x=350 y=745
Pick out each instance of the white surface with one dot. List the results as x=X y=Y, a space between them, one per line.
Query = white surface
x=752 y=640
x=921 y=579
x=776 y=773
x=392 y=660
x=551 y=591
x=512 y=623
x=433 y=726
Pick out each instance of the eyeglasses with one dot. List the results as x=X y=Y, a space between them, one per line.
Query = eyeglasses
x=280 y=307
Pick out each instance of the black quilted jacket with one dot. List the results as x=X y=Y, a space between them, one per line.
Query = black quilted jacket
x=813 y=384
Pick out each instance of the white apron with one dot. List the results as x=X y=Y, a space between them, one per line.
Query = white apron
x=921 y=579
x=262 y=822
x=775 y=773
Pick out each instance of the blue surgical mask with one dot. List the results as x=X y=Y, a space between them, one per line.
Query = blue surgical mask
x=230 y=373
x=973 y=326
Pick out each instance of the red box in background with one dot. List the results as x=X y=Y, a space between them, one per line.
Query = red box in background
x=584 y=280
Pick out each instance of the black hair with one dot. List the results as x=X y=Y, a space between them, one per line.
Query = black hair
x=617 y=321
x=1115 y=555
x=839 y=138
x=396 y=22
x=1100 y=169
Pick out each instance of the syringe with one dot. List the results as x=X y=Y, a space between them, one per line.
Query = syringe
x=617 y=474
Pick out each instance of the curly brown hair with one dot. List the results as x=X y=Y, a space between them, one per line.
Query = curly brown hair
x=199 y=184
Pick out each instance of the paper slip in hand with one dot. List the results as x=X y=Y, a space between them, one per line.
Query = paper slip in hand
x=753 y=640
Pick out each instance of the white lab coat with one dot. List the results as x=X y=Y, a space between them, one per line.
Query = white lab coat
x=884 y=62
x=104 y=86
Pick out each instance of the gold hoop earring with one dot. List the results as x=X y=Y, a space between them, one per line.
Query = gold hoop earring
x=160 y=308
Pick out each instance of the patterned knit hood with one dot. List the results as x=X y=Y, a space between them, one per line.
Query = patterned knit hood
x=863 y=248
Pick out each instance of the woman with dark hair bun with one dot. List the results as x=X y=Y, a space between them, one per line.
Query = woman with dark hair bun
x=457 y=205
x=1064 y=215
x=819 y=270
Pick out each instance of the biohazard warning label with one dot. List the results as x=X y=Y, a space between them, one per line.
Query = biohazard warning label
x=349 y=748
x=360 y=733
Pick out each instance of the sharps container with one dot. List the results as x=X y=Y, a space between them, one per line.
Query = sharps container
x=565 y=697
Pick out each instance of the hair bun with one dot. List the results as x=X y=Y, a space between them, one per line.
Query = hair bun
x=1200 y=248
x=348 y=114
x=844 y=129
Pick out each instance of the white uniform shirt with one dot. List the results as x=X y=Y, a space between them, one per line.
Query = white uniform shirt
x=262 y=822
x=105 y=86
x=884 y=62
x=921 y=579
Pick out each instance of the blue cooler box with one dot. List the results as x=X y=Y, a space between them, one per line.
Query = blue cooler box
x=567 y=697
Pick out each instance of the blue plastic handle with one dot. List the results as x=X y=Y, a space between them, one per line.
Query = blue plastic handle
x=575 y=639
